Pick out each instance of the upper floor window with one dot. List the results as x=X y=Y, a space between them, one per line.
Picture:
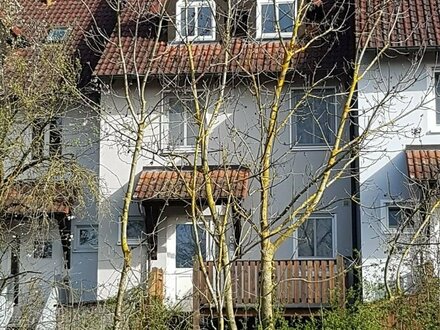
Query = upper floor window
x=46 y=134
x=275 y=18
x=195 y=19
x=316 y=238
x=182 y=129
x=314 y=120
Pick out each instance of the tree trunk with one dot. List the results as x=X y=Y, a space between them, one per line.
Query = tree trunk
x=267 y=286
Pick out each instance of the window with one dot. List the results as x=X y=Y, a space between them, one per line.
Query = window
x=275 y=20
x=314 y=120
x=135 y=229
x=195 y=19
x=37 y=139
x=137 y=234
x=186 y=247
x=399 y=217
x=46 y=134
x=57 y=34
x=315 y=238
x=182 y=129
x=55 y=137
x=86 y=238
x=42 y=249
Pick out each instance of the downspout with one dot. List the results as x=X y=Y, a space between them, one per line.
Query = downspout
x=65 y=230
x=355 y=185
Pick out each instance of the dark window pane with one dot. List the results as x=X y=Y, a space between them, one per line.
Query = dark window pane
x=188 y=21
x=394 y=217
x=324 y=238
x=205 y=21
x=285 y=14
x=37 y=139
x=182 y=128
x=313 y=122
x=135 y=228
x=186 y=247
x=268 y=18
x=176 y=129
x=43 y=249
x=55 y=137
x=306 y=239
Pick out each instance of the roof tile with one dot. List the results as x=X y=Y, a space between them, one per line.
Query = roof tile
x=172 y=185
x=399 y=23
x=423 y=164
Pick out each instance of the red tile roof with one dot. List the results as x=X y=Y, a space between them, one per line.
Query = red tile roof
x=401 y=23
x=28 y=200
x=172 y=58
x=245 y=57
x=81 y=17
x=423 y=164
x=171 y=185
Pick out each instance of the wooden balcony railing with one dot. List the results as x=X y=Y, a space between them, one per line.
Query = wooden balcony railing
x=299 y=283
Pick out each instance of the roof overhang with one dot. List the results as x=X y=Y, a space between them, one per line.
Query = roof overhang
x=423 y=163
x=25 y=199
x=174 y=185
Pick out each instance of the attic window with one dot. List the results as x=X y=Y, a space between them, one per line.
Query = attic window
x=195 y=20
x=275 y=19
x=58 y=34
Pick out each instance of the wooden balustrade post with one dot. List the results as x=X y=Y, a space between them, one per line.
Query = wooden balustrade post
x=341 y=279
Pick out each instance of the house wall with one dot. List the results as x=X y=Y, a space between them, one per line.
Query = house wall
x=81 y=138
x=235 y=140
x=383 y=167
x=80 y=133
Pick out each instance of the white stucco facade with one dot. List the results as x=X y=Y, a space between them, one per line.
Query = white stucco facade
x=401 y=92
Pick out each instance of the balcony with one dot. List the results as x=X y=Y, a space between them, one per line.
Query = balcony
x=301 y=285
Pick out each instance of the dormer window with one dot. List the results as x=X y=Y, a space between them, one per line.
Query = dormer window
x=57 y=34
x=275 y=19
x=195 y=20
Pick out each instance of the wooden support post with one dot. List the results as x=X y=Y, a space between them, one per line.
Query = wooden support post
x=155 y=284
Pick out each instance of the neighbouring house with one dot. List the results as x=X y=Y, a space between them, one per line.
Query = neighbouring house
x=48 y=246
x=399 y=168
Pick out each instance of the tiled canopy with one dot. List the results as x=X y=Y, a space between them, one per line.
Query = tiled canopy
x=172 y=185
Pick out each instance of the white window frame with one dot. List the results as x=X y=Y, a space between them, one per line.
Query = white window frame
x=259 y=25
x=385 y=206
x=334 y=238
x=78 y=247
x=292 y=129
x=164 y=128
x=431 y=117
x=197 y=4
x=133 y=241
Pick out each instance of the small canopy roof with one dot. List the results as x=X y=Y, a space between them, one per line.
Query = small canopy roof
x=423 y=162
x=172 y=184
